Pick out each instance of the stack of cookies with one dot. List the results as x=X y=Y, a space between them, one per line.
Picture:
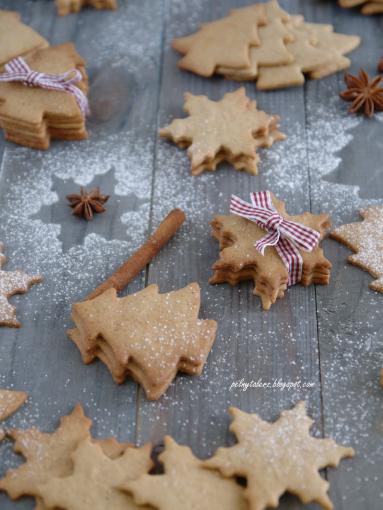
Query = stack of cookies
x=230 y=130
x=146 y=336
x=279 y=50
x=31 y=116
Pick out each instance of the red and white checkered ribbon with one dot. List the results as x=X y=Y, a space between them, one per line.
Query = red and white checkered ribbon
x=287 y=236
x=18 y=70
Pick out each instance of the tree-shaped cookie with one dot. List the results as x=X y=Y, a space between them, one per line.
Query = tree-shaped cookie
x=240 y=260
x=16 y=39
x=148 y=336
x=186 y=484
x=65 y=7
x=12 y=282
x=224 y=42
x=31 y=116
x=94 y=483
x=49 y=454
x=227 y=130
x=272 y=48
x=365 y=238
x=287 y=48
x=279 y=457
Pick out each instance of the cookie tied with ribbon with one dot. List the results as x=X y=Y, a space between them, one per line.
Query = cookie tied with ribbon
x=44 y=96
x=259 y=241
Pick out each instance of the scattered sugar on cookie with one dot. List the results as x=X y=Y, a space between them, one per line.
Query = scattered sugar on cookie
x=365 y=238
x=10 y=401
x=186 y=484
x=48 y=455
x=65 y=7
x=279 y=457
x=148 y=336
x=228 y=130
x=12 y=282
x=269 y=267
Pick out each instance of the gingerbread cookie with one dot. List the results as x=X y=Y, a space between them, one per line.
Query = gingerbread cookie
x=10 y=401
x=12 y=282
x=185 y=484
x=49 y=455
x=65 y=7
x=287 y=49
x=147 y=336
x=255 y=249
x=227 y=130
x=365 y=238
x=367 y=6
x=52 y=107
x=17 y=39
x=95 y=479
x=279 y=457
x=224 y=42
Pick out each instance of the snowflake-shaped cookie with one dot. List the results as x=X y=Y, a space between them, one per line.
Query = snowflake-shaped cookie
x=12 y=282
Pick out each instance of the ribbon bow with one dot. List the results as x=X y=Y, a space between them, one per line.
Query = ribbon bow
x=287 y=236
x=18 y=70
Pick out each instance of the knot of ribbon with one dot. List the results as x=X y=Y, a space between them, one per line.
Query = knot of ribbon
x=18 y=70
x=288 y=237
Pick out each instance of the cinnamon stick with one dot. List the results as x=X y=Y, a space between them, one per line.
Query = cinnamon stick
x=136 y=263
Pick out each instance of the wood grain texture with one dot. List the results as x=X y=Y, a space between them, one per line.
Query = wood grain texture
x=329 y=337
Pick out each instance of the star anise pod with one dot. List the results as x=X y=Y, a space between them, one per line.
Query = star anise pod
x=87 y=203
x=364 y=92
x=380 y=65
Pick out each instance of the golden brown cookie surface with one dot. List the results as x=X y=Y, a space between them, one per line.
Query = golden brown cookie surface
x=11 y=283
x=65 y=7
x=94 y=482
x=148 y=336
x=186 y=484
x=17 y=39
x=239 y=259
x=31 y=116
x=279 y=457
x=10 y=401
x=365 y=238
x=227 y=130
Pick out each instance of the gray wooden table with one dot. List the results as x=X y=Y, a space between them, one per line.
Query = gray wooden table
x=329 y=339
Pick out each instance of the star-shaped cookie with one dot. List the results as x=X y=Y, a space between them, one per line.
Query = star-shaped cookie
x=10 y=401
x=279 y=457
x=186 y=484
x=148 y=336
x=65 y=7
x=12 y=282
x=365 y=238
x=95 y=480
x=49 y=454
x=239 y=259
x=17 y=39
x=227 y=130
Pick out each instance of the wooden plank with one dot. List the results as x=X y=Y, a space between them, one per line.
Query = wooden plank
x=350 y=323
x=251 y=344
x=123 y=53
